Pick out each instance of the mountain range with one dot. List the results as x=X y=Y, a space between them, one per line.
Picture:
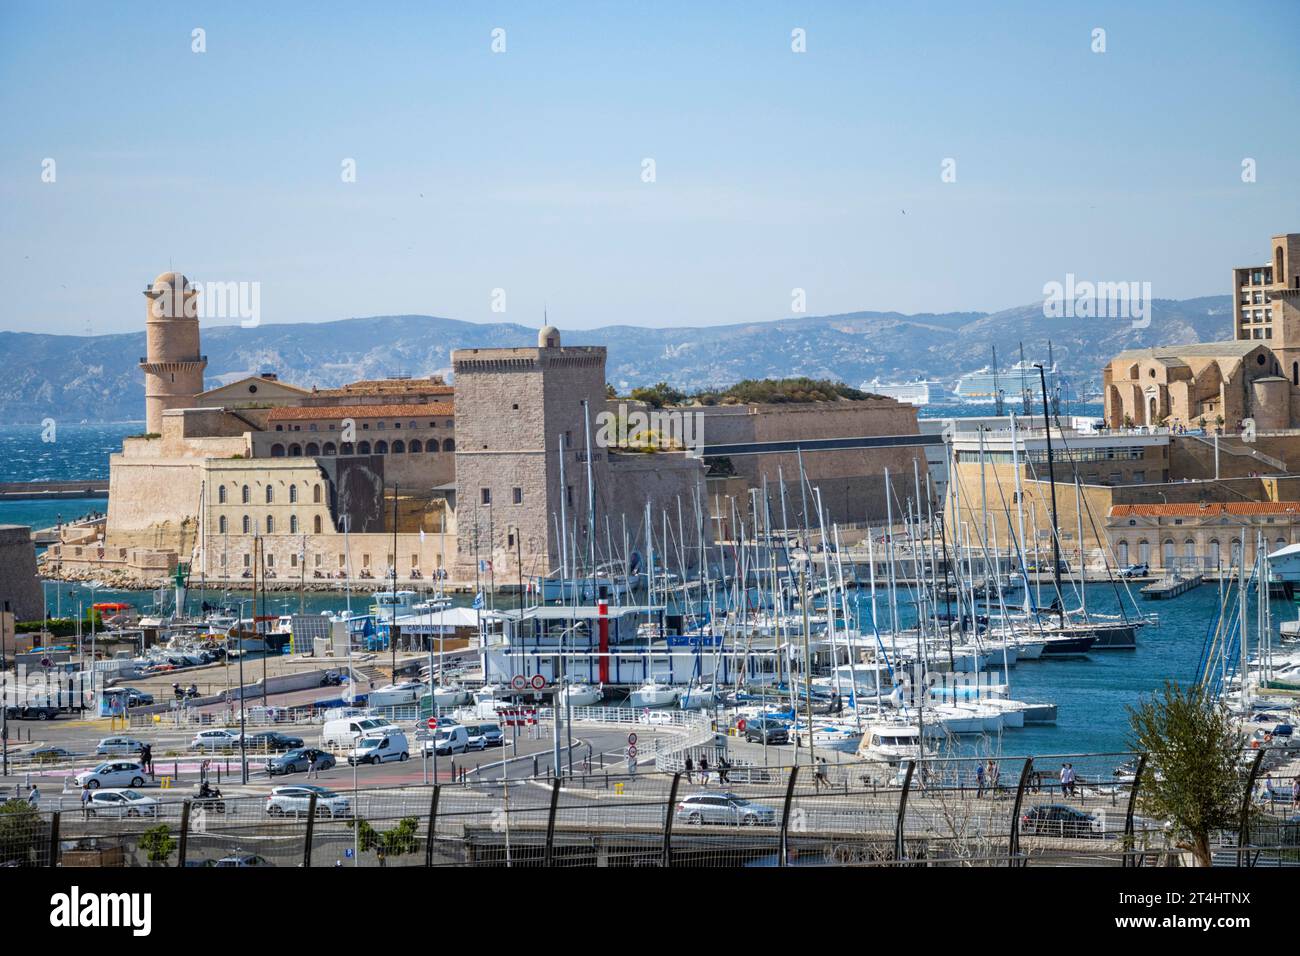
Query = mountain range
x=95 y=378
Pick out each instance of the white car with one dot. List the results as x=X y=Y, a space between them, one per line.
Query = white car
x=119 y=745
x=295 y=801
x=216 y=740
x=121 y=803
x=657 y=717
x=120 y=773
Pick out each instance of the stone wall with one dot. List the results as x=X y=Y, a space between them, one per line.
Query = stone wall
x=19 y=586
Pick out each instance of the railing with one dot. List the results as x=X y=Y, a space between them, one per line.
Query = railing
x=973 y=811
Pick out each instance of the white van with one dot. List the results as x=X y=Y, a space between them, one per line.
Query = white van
x=343 y=733
x=448 y=740
x=380 y=747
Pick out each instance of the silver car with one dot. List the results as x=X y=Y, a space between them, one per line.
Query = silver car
x=724 y=808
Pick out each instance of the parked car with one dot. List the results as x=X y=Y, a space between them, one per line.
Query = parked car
x=765 y=730
x=120 y=773
x=136 y=698
x=215 y=740
x=299 y=761
x=1059 y=820
x=48 y=754
x=119 y=745
x=243 y=859
x=121 y=803
x=273 y=740
x=31 y=712
x=1134 y=571
x=483 y=736
x=296 y=800
x=724 y=808
x=447 y=741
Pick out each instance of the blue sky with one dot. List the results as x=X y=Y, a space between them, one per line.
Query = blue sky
x=523 y=170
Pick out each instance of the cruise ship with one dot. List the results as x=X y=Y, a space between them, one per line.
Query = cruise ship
x=982 y=386
x=919 y=392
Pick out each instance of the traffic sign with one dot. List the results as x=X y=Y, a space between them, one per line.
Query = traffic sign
x=538 y=682
x=432 y=723
x=519 y=682
x=631 y=751
x=631 y=739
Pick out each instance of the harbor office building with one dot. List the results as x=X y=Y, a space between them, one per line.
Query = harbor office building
x=308 y=485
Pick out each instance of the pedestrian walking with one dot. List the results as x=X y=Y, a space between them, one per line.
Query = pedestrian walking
x=1070 y=778
x=994 y=773
x=979 y=780
x=690 y=770
x=34 y=798
x=146 y=758
x=85 y=802
x=312 y=767
x=724 y=765
x=1065 y=780
x=704 y=768
x=819 y=777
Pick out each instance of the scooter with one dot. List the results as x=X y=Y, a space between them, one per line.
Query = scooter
x=209 y=798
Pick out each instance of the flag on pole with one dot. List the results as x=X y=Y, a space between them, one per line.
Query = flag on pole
x=478 y=601
x=421 y=536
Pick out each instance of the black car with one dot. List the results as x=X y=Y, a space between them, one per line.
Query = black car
x=1059 y=820
x=273 y=740
x=137 y=698
x=30 y=712
x=764 y=730
x=299 y=761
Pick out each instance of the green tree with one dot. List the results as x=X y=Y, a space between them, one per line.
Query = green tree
x=20 y=829
x=157 y=843
x=1193 y=777
x=659 y=395
x=397 y=841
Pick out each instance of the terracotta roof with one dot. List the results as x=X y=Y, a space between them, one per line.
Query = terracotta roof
x=421 y=410
x=1208 y=509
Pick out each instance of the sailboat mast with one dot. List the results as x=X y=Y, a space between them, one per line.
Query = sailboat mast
x=1051 y=480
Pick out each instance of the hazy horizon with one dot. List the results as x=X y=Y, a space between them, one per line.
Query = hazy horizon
x=523 y=170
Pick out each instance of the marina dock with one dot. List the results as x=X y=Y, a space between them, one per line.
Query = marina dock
x=1167 y=588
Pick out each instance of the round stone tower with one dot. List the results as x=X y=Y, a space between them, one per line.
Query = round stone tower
x=173 y=367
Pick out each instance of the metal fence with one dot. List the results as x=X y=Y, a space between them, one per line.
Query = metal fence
x=1072 y=810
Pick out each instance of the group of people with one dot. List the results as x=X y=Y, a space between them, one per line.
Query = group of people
x=987 y=777
x=691 y=768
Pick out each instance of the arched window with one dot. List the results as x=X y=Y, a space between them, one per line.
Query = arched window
x=315 y=493
x=416 y=446
x=346 y=448
x=313 y=449
x=221 y=494
x=1168 y=556
x=399 y=447
x=1279 y=273
x=248 y=524
x=270 y=495
x=244 y=495
x=330 y=449
x=381 y=447
x=1236 y=553
x=295 y=450
x=293 y=524
x=221 y=525
x=315 y=524
x=1295 y=373
x=270 y=524
x=1144 y=551
x=449 y=445
x=1121 y=554
x=363 y=448
x=1189 y=551
x=1214 y=557
x=277 y=450
x=293 y=494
